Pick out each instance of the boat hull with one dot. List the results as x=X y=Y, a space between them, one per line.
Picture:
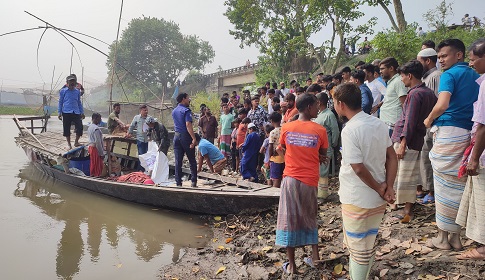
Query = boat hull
x=191 y=200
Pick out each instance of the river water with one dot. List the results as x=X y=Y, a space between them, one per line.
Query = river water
x=52 y=230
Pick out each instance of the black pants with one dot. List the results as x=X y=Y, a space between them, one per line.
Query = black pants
x=67 y=119
x=181 y=146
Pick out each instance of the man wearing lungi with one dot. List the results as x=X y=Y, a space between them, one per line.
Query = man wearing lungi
x=431 y=78
x=367 y=174
x=408 y=135
x=95 y=146
x=304 y=145
x=451 y=121
x=327 y=119
x=471 y=213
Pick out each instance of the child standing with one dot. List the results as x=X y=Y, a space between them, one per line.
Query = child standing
x=234 y=150
x=241 y=134
x=250 y=149
x=276 y=162
x=304 y=144
x=225 y=133
x=265 y=169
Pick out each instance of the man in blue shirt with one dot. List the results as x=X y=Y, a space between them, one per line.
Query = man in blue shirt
x=214 y=158
x=451 y=121
x=184 y=140
x=139 y=122
x=358 y=77
x=71 y=110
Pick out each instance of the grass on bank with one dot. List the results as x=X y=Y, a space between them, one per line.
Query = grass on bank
x=22 y=111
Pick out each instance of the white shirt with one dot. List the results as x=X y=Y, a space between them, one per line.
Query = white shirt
x=270 y=106
x=360 y=146
x=95 y=137
x=285 y=91
x=378 y=91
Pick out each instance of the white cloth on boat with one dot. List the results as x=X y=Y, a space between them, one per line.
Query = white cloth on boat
x=161 y=170
x=148 y=159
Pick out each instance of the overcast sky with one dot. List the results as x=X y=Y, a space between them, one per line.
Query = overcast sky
x=99 y=18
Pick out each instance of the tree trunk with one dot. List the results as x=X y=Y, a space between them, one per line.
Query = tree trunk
x=332 y=40
x=394 y=25
x=401 y=21
x=340 y=50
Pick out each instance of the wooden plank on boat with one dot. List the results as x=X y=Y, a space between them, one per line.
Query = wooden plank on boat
x=230 y=180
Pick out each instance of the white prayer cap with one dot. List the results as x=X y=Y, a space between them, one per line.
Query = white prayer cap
x=427 y=52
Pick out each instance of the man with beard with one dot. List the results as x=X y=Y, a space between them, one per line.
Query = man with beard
x=208 y=125
x=292 y=110
x=431 y=78
x=139 y=123
x=451 y=122
x=115 y=125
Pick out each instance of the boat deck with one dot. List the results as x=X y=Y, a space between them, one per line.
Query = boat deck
x=52 y=144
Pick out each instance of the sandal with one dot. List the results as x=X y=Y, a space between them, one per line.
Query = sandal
x=285 y=267
x=309 y=262
x=406 y=219
x=472 y=254
x=428 y=199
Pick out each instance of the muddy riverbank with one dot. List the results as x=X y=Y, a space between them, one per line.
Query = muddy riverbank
x=243 y=248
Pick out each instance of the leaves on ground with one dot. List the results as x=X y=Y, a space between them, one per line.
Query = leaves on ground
x=221 y=269
x=338 y=269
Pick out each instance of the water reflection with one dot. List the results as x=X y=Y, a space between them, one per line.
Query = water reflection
x=91 y=220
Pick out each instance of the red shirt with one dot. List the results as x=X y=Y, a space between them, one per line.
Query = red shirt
x=290 y=113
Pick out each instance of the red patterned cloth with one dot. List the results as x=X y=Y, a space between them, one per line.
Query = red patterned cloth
x=466 y=158
x=134 y=177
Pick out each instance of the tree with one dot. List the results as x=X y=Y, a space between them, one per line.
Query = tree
x=400 y=19
x=156 y=52
x=282 y=29
x=341 y=13
x=438 y=18
x=274 y=28
x=403 y=46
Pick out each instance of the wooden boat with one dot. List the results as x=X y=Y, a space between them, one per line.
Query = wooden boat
x=215 y=194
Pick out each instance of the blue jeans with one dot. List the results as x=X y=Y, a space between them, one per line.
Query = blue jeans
x=181 y=146
x=142 y=149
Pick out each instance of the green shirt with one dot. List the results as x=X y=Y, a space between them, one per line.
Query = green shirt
x=392 y=108
x=226 y=121
x=112 y=123
x=327 y=119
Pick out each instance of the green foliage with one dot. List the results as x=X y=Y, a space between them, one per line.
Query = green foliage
x=281 y=31
x=267 y=71
x=468 y=37
x=156 y=52
x=405 y=46
x=211 y=100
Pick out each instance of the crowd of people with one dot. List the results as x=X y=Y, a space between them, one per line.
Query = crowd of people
x=404 y=132
x=426 y=137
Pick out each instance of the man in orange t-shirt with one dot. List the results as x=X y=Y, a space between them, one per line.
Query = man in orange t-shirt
x=304 y=145
x=292 y=110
